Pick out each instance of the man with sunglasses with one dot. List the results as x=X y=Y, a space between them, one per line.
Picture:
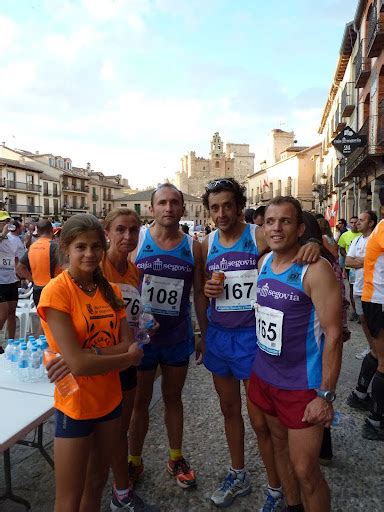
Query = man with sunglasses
x=234 y=249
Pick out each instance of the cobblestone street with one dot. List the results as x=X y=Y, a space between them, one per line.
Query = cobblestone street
x=355 y=475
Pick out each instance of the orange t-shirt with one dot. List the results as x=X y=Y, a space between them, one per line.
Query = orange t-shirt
x=39 y=261
x=128 y=284
x=95 y=323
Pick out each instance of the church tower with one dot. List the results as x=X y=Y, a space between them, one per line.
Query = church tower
x=216 y=146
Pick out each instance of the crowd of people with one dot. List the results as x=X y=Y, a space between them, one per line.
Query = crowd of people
x=260 y=284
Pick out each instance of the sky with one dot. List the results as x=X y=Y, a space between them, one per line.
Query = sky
x=132 y=85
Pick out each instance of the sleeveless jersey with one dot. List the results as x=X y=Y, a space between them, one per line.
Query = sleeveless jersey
x=166 y=278
x=234 y=309
x=288 y=330
x=128 y=284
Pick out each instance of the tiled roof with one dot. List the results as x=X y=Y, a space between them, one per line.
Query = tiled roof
x=15 y=163
x=47 y=177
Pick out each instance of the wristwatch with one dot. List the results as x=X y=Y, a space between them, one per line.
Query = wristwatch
x=328 y=396
x=96 y=350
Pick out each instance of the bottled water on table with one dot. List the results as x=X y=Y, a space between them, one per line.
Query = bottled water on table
x=23 y=363
x=8 y=355
x=34 y=365
x=146 y=323
x=15 y=356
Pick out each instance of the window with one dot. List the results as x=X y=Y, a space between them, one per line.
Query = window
x=45 y=188
x=217 y=165
x=138 y=208
x=55 y=189
x=11 y=177
x=46 y=206
x=56 y=206
x=11 y=201
x=74 y=201
x=94 y=209
x=52 y=162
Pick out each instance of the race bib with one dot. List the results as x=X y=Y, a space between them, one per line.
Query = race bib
x=163 y=294
x=7 y=262
x=269 y=329
x=239 y=291
x=132 y=301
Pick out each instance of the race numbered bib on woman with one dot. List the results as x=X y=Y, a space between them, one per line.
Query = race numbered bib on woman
x=239 y=291
x=269 y=329
x=132 y=301
x=7 y=262
x=163 y=294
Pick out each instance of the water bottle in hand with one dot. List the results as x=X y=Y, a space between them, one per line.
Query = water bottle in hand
x=68 y=384
x=146 y=323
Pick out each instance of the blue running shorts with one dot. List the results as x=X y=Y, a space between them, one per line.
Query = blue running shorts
x=68 y=427
x=230 y=352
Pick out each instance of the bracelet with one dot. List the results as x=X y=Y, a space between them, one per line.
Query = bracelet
x=96 y=350
x=314 y=241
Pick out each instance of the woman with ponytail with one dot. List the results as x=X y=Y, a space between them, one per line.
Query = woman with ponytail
x=84 y=319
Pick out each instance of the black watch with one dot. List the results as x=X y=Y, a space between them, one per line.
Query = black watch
x=328 y=396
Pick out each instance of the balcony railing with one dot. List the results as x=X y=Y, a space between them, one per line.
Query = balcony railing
x=23 y=208
x=76 y=188
x=56 y=193
x=46 y=193
x=338 y=123
x=362 y=66
x=375 y=33
x=373 y=130
x=347 y=105
x=339 y=174
x=20 y=185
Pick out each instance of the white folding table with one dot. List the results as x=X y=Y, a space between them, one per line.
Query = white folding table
x=22 y=412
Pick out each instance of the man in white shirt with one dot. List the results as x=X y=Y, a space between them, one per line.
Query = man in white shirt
x=355 y=261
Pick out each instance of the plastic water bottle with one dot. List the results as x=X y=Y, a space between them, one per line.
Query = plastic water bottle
x=34 y=365
x=68 y=384
x=31 y=341
x=146 y=323
x=23 y=364
x=342 y=420
x=15 y=356
x=8 y=355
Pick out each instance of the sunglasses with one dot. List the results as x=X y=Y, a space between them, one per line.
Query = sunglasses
x=212 y=185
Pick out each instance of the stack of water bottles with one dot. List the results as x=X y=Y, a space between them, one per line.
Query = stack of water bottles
x=24 y=358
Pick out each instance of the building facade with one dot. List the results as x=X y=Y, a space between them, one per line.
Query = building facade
x=346 y=185
x=141 y=202
x=287 y=170
x=232 y=160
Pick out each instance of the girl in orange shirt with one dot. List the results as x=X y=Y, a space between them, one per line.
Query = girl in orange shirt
x=83 y=317
x=122 y=228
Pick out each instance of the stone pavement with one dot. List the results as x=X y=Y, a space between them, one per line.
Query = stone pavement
x=355 y=475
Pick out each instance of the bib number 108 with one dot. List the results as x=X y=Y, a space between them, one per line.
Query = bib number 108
x=162 y=296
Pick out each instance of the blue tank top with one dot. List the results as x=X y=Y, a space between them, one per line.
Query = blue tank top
x=234 y=309
x=299 y=365
x=165 y=283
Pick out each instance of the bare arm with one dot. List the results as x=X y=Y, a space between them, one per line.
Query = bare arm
x=354 y=262
x=324 y=290
x=85 y=362
x=200 y=301
x=23 y=272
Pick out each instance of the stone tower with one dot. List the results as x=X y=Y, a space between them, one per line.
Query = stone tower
x=216 y=146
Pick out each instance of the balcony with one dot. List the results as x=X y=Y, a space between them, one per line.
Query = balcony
x=347 y=105
x=76 y=188
x=339 y=174
x=362 y=67
x=23 y=208
x=46 y=193
x=375 y=34
x=56 y=193
x=20 y=185
x=373 y=129
x=338 y=123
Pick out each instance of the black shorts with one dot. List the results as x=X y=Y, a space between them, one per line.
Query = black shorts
x=9 y=292
x=374 y=316
x=128 y=378
x=36 y=294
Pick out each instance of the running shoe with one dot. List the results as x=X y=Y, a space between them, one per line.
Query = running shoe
x=363 y=404
x=135 y=472
x=372 y=432
x=232 y=487
x=181 y=470
x=273 y=504
x=363 y=353
x=132 y=503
